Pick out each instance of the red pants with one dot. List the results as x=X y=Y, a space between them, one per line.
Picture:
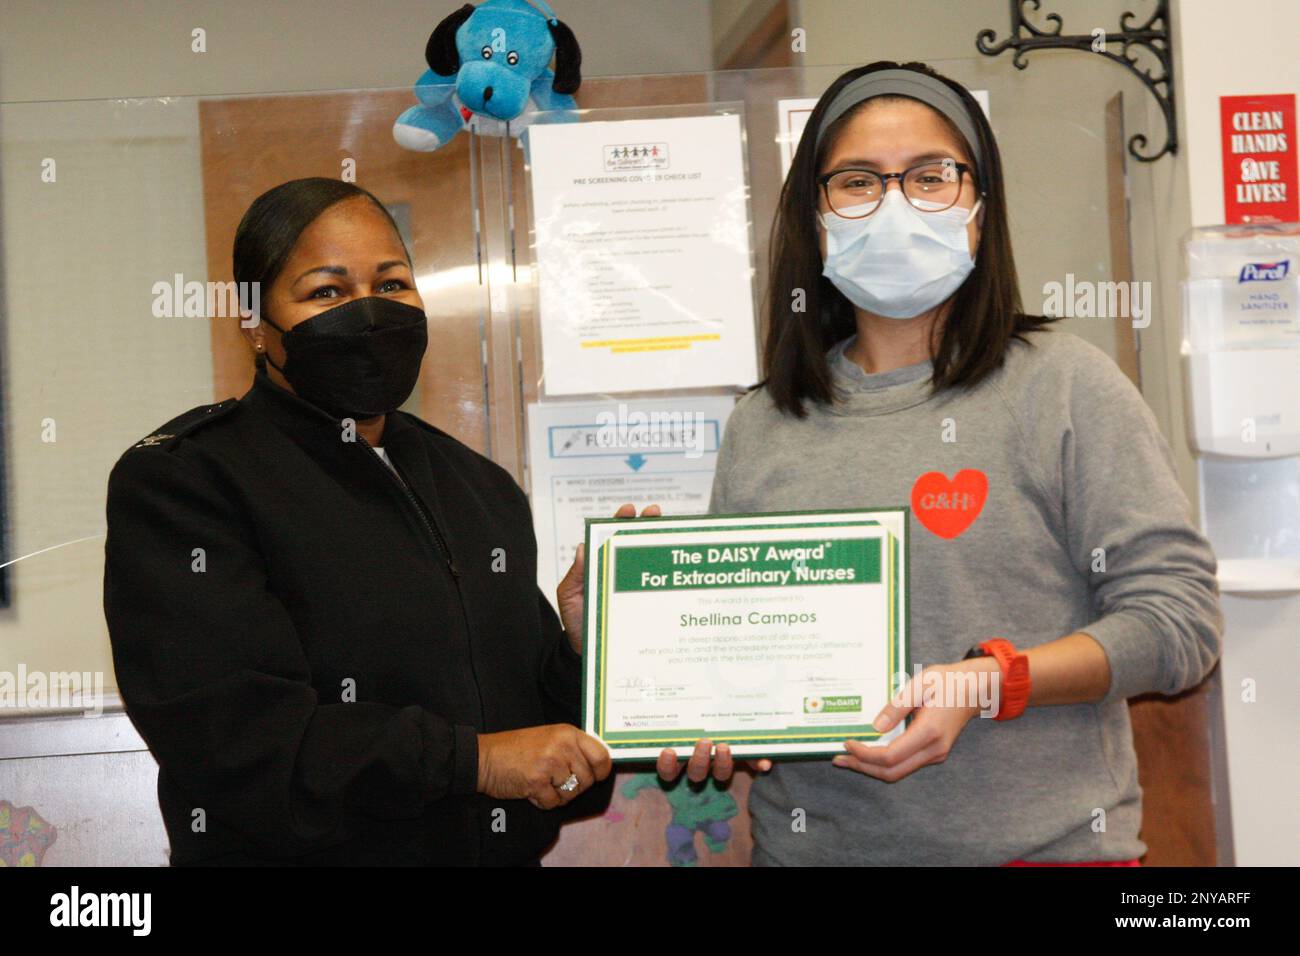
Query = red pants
x=1102 y=863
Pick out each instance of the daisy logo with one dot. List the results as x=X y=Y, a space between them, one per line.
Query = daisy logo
x=837 y=704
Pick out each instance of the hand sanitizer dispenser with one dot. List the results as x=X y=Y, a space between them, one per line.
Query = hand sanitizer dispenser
x=1241 y=349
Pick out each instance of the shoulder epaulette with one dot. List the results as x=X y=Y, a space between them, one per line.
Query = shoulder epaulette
x=185 y=423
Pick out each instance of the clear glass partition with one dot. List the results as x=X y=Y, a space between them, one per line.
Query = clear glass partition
x=549 y=328
x=117 y=214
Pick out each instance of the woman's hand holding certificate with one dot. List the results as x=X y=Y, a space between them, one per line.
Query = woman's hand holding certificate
x=569 y=591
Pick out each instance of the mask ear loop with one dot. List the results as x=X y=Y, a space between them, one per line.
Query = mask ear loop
x=974 y=209
x=978 y=202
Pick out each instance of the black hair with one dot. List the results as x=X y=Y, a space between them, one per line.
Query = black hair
x=444 y=59
x=985 y=312
x=568 y=58
x=270 y=228
x=440 y=52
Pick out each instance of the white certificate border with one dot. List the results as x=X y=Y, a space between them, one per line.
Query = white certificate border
x=896 y=522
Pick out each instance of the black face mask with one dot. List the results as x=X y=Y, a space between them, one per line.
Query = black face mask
x=357 y=360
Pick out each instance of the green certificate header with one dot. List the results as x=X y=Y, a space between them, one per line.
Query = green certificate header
x=752 y=564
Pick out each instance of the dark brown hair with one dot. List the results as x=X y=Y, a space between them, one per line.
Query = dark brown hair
x=985 y=312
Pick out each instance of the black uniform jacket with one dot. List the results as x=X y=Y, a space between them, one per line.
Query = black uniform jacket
x=310 y=646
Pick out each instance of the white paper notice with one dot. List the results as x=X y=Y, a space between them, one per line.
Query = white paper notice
x=587 y=458
x=643 y=256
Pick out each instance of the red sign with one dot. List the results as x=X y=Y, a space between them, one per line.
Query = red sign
x=1259 y=165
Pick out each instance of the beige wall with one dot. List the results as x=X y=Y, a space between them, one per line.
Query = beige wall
x=86 y=363
x=858 y=31
x=82 y=49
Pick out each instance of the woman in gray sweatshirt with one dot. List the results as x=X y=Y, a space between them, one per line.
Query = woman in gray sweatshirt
x=1048 y=533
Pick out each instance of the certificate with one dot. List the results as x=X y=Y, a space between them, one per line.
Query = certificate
x=778 y=634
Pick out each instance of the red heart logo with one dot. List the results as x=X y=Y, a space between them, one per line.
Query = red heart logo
x=947 y=508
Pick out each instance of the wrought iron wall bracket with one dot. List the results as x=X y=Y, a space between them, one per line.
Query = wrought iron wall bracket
x=1153 y=36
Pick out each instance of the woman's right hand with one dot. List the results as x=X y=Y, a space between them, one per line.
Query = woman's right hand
x=531 y=764
x=569 y=594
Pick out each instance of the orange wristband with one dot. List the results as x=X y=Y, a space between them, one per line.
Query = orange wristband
x=1014 y=693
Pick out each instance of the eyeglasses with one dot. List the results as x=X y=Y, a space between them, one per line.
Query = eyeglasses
x=929 y=187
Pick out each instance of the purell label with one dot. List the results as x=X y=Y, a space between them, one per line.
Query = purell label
x=1264 y=271
x=1243 y=292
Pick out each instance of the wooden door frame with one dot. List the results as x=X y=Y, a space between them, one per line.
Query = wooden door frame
x=760 y=38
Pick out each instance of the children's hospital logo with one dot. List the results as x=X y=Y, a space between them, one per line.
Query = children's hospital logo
x=636 y=156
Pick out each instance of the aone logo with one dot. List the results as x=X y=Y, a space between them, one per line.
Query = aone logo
x=1264 y=271
x=636 y=156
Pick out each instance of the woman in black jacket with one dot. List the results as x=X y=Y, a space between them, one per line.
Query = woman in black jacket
x=323 y=611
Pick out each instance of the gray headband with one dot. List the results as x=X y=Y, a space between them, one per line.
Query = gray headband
x=918 y=86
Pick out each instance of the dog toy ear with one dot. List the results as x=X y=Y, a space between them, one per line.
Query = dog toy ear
x=440 y=52
x=568 y=58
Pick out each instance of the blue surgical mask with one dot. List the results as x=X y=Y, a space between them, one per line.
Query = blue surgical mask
x=898 y=262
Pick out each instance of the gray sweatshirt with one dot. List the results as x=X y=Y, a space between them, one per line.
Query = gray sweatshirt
x=1074 y=463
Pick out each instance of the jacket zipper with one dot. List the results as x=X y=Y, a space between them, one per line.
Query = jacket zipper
x=429 y=522
x=431 y=525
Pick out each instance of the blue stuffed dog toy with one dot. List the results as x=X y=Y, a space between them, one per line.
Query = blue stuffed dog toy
x=487 y=65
